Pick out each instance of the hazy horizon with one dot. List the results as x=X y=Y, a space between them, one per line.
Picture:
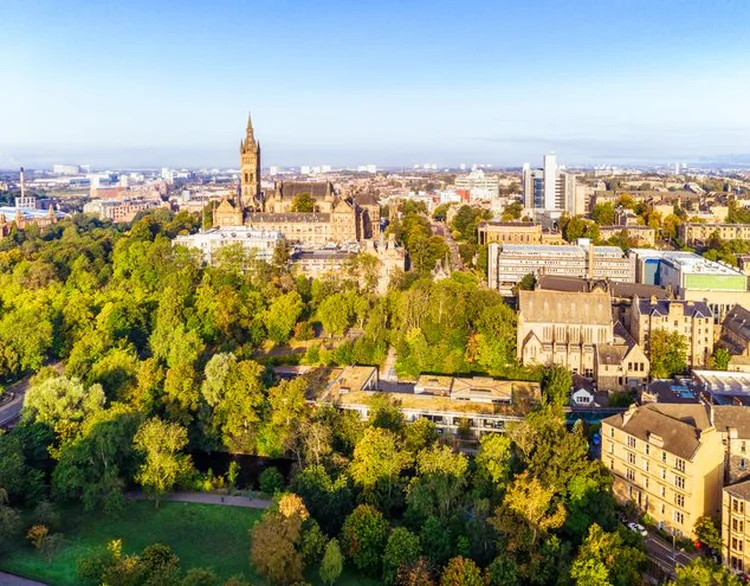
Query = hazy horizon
x=164 y=83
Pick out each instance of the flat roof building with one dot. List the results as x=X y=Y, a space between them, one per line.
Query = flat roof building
x=261 y=243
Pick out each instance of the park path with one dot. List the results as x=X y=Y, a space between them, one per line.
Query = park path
x=208 y=498
x=13 y=580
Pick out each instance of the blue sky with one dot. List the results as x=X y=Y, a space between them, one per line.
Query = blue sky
x=163 y=82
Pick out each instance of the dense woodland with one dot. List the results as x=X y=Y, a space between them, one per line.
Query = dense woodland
x=163 y=358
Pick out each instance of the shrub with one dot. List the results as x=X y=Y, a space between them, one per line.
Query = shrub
x=271 y=481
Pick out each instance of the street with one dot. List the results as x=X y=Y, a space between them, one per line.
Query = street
x=442 y=230
x=661 y=553
x=11 y=410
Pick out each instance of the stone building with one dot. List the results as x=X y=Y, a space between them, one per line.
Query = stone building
x=668 y=460
x=327 y=218
x=691 y=319
x=563 y=328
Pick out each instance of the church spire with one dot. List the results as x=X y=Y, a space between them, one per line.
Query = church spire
x=250 y=133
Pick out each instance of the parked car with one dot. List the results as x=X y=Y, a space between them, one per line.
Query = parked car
x=638 y=528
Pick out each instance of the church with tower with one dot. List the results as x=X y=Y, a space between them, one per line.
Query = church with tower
x=309 y=214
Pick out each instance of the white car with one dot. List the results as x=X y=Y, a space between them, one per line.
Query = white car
x=638 y=528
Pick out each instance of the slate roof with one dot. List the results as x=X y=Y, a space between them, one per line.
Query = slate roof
x=661 y=307
x=737 y=322
x=740 y=490
x=317 y=189
x=679 y=425
x=732 y=416
x=562 y=307
x=289 y=217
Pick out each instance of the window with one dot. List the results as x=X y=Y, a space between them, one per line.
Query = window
x=662 y=491
x=631 y=458
x=631 y=475
x=743 y=447
x=611 y=432
x=611 y=447
x=679 y=482
x=679 y=463
x=738 y=525
x=645 y=465
x=679 y=500
x=663 y=472
x=631 y=441
x=645 y=482
x=664 y=457
x=648 y=449
x=678 y=517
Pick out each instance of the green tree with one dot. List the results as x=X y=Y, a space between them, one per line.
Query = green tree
x=377 y=466
x=363 y=537
x=667 y=352
x=503 y=571
x=440 y=482
x=703 y=571
x=63 y=404
x=402 y=549
x=721 y=358
x=161 y=443
x=556 y=384
x=234 y=396
x=332 y=564
x=494 y=458
x=707 y=533
x=605 y=558
x=303 y=203
x=461 y=571
x=334 y=314
x=281 y=316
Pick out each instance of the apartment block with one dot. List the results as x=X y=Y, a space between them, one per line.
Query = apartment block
x=668 y=460
x=691 y=319
x=735 y=526
x=694 y=234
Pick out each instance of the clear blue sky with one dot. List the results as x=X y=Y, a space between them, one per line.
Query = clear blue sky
x=391 y=82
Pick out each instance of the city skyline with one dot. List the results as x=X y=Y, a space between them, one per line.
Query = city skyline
x=162 y=83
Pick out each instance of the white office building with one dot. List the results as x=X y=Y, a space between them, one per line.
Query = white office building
x=261 y=243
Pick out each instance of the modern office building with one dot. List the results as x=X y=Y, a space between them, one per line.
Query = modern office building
x=479 y=185
x=509 y=263
x=693 y=278
x=550 y=188
x=258 y=242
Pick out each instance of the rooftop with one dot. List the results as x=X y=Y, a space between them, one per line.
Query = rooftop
x=677 y=426
x=740 y=490
x=723 y=382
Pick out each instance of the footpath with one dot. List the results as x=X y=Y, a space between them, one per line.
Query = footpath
x=206 y=498
x=12 y=580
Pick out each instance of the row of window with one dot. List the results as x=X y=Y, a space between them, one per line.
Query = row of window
x=679 y=499
x=679 y=463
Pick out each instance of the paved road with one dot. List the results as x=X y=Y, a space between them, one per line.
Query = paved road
x=10 y=411
x=661 y=552
x=207 y=498
x=443 y=230
x=388 y=369
x=12 y=580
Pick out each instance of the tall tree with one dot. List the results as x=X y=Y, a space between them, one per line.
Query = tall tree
x=377 y=466
x=667 y=352
x=332 y=563
x=275 y=540
x=364 y=536
x=161 y=443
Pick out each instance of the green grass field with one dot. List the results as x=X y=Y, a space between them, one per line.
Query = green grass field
x=201 y=535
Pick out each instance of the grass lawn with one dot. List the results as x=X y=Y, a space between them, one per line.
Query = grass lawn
x=201 y=535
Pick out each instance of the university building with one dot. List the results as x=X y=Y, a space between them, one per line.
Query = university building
x=328 y=217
